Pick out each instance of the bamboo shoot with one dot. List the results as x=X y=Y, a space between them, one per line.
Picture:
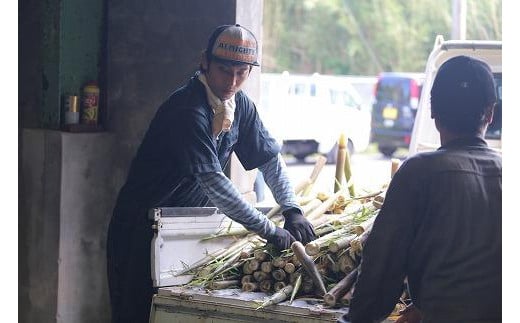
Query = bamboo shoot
x=309 y=266
x=341 y=288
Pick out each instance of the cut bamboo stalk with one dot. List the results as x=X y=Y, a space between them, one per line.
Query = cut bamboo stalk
x=364 y=226
x=222 y=284
x=253 y=264
x=328 y=219
x=300 y=187
x=346 y=264
x=246 y=279
x=266 y=266
x=314 y=247
x=395 y=166
x=246 y=269
x=341 y=243
x=322 y=196
x=232 y=261
x=227 y=268
x=348 y=175
x=378 y=201
x=309 y=266
x=289 y=268
x=356 y=245
x=279 y=274
x=340 y=163
x=333 y=234
x=260 y=276
x=206 y=271
x=318 y=166
x=277 y=297
x=260 y=254
x=341 y=288
x=323 y=230
x=204 y=261
x=297 y=284
x=279 y=285
x=250 y=287
x=266 y=285
x=345 y=300
x=244 y=255
x=295 y=261
x=320 y=210
x=279 y=262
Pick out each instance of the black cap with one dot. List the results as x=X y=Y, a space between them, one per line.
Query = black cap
x=462 y=91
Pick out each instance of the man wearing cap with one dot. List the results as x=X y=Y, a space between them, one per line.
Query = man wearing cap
x=180 y=163
x=440 y=224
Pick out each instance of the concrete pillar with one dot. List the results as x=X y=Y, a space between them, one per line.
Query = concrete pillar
x=68 y=198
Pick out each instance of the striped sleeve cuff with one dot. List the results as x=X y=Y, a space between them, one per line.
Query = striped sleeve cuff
x=224 y=195
x=276 y=178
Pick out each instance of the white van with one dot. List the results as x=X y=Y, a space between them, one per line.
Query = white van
x=425 y=136
x=308 y=113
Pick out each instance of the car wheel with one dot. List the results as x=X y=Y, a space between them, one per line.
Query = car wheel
x=388 y=151
x=300 y=157
x=332 y=155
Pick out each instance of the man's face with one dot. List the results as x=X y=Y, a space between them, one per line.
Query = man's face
x=225 y=80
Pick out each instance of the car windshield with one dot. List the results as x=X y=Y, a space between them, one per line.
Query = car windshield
x=393 y=89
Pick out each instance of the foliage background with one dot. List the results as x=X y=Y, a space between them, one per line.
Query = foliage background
x=364 y=37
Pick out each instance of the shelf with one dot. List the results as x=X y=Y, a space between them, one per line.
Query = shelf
x=82 y=128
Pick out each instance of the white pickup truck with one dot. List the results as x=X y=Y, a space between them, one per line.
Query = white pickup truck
x=425 y=136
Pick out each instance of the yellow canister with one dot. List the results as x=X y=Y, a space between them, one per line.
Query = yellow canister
x=90 y=103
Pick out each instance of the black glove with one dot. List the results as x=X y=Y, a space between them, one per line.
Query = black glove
x=298 y=226
x=281 y=238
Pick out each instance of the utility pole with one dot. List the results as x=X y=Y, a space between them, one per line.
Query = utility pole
x=458 y=20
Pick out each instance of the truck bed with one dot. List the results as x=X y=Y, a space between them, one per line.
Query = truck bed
x=181 y=304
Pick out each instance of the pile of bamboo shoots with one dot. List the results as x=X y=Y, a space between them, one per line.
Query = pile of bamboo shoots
x=325 y=268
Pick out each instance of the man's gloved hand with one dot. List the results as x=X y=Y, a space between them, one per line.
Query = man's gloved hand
x=281 y=238
x=298 y=226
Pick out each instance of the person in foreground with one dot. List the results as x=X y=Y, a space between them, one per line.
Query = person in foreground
x=180 y=162
x=440 y=224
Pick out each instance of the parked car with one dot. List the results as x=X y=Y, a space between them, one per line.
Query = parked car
x=425 y=136
x=308 y=113
x=396 y=98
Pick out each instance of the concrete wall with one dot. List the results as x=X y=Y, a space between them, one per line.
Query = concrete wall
x=69 y=182
x=155 y=47
x=39 y=219
x=86 y=182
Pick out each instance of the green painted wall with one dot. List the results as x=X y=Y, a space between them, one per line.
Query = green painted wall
x=72 y=44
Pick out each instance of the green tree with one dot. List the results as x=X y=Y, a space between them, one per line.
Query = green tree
x=364 y=37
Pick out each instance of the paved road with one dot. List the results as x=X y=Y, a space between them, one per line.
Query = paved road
x=369 y=171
